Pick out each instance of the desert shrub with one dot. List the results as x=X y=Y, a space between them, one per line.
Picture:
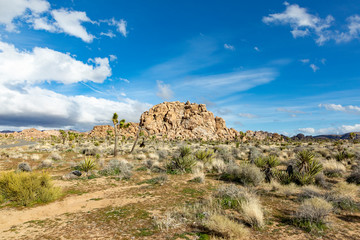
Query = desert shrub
x=24 y=167
x=218 y=166
x=312 y=214
x=320 y=180
x=205 y=156
x=47 y=163
x=254 y=154
x=333 y=168
x=282 y=176
x=246 y=174
x=310 y=191
x=198 y=177
x=26 y=188
x=87 y=164
x=120 y=168
x=354 y=177
x=226 y=227
x=241 y=199
x=55 y=156
x=160 y=180
x=343 y=196
x=224 y=154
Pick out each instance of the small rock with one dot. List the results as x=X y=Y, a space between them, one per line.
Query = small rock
x=77 y=173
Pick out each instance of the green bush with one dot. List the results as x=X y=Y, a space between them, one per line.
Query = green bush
x=27 y=188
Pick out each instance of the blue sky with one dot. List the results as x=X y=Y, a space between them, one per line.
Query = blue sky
x=286 y=67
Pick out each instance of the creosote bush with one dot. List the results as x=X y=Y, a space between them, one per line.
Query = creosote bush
x=246 y=174
x=312 y=214
x=119 y=168
x=27 y=188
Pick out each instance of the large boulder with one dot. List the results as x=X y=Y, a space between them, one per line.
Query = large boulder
x=186 y=121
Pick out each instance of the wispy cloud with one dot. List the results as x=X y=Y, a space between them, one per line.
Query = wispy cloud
x=256 y=49
x=247 y=115
x=228 y=46
x=227 y=83
x=340 y=108
x=314 y=67
x=164 y=90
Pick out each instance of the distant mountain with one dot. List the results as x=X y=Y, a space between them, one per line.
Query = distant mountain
x=7 y=131
x=329 y=136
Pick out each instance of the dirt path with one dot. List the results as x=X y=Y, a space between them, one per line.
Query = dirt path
x=73 y=204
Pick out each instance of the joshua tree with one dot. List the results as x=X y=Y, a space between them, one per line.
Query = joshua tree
x=117 y=127
x=63 y=135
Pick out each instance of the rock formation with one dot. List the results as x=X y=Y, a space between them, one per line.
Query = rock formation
x=185 y=121
x=102 y=130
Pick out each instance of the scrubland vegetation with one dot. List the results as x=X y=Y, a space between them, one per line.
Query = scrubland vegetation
x=181 y=189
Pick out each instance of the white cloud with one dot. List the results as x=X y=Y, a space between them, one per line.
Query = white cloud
x=228 y=46
x=43 y=24
x=256 y=49
x=70 y=22
x=353 y=30
x=109 y=34
x=120 y=25
x=24 y=105
x=247 y=115
x=340 y=108
x=164 y=90
x=33 y=106
x=12 y=9
x=305 y=60
x=43 y=64
x=331 y=130
x=314 y=67
x=112 y=58
x=309 y=131
x=304 y=24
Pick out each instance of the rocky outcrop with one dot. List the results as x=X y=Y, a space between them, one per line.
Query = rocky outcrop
x=33 y=133
x=185 y=121
x=102 y=130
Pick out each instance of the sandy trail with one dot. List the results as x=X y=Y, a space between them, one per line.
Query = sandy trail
x=73 y=204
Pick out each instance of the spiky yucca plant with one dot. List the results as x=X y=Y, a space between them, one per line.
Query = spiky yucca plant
x=88 y=164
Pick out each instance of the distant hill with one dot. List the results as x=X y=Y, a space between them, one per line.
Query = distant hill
x=329 y=136
x=7 y=131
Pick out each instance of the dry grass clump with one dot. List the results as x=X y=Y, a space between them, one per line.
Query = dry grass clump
x=343 y=195
x=354 y=176
x=312 y=214
x=244 y=201
x=222 y=225
x=310 y=191
x=218 y=166
x=333 y=168
x=246 y=174
x=55 y=156
x=27 y=188
x=120 y=168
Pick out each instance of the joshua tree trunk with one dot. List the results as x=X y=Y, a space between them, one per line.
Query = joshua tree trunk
x=136 y=139
x=116 y=140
